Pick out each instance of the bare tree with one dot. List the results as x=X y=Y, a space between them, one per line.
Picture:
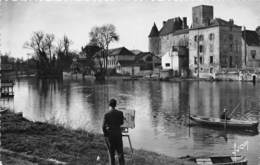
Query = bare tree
x=49 y=39
x=103 y=36
x=36 y=43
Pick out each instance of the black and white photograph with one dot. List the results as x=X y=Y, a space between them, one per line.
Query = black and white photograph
x=129 y=82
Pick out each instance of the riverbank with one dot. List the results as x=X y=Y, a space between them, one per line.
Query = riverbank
x=43 y=142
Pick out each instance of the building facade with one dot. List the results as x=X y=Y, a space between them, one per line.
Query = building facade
x=251 y=49
x=174 y=32
x=214 y=44
x=120 y=60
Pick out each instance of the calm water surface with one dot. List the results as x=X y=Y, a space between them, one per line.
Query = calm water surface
x=161 y=111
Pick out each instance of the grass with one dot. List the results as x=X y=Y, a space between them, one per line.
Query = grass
x=75 y=147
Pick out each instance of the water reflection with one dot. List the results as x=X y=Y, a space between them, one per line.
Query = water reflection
x=161 y=110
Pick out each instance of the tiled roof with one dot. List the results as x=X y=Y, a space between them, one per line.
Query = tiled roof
x=217 y=22
x=120 y=51
x=251 y=37
x=117 y=51
x=143 y=54
x=127 y=63
x=154 y=32
x=182 y=31
x=170 y=26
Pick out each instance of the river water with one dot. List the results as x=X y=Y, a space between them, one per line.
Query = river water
x=162 y=110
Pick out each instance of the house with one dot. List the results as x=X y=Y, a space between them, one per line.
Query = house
x=148 y=61
x=85 y=58
x=176 y=61
x=251 y=49
x=119 y=61
x=215 y=44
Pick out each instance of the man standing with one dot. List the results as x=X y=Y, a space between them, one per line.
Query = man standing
x=112 y=132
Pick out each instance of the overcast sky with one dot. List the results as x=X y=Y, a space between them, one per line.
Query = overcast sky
x=133 y=19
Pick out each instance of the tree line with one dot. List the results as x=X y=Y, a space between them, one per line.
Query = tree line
x=51 y=56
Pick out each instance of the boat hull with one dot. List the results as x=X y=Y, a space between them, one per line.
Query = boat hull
x=222 y=160
x=233 y=123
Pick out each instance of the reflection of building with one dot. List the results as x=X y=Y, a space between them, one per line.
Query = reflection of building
x=251 y=48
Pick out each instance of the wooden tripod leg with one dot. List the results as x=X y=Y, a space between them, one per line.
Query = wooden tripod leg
x=130 y=144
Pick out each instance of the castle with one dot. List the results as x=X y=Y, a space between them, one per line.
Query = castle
x=213 y=44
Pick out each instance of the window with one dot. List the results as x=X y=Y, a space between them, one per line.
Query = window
x=201 y=48
x=195 y=61
x=201 y=60
x=211 y=59
x=253 y=54
x=211 y=36
x=201 y=38
x=195 y=38
x=167 y=64
x=196 y=70
x=211 y=48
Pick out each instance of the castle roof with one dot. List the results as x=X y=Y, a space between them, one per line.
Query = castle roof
x=170 y=26
x=154 y=32
x=218 y=22
x=251 y=37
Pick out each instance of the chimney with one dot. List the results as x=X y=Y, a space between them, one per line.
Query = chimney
x=184 y=23
x=231 y=21
x=164 y=22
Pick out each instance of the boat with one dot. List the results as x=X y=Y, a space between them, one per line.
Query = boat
x=232 y=123
x=220 y=160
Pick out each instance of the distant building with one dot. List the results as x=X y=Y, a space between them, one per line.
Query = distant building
x=174 y=32
x=251 y=49
x=148 y=61
x=214 y=44
x=120 y=61
x=176 y=60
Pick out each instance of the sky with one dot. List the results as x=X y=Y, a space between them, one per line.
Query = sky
x=133 y=19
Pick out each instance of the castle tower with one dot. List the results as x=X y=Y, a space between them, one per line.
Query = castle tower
x=154 y=40
x=201 y=15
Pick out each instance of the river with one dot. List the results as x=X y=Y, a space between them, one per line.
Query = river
x=162 y=110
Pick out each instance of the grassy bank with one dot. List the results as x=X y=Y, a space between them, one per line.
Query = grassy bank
x=42 y=141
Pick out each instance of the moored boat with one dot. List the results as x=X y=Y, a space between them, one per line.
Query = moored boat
x=221 y=160
x=232 y=123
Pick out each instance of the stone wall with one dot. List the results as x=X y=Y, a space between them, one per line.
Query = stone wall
x=250 y=61
x=230 y=47
x=154 y=45
x=210 y=49
x=168 y=41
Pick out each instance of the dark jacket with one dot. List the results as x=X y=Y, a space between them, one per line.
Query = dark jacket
x=112 y=122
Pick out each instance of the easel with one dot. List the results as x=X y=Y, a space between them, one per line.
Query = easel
x=125 y=132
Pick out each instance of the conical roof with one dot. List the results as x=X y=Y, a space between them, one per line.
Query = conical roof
x=154 y=32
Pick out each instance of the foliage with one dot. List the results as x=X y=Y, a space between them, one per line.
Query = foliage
x=51 y=59
x=103 y=36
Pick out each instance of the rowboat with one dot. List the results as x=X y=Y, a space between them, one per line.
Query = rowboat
x=221 y=160
x=217 y=122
